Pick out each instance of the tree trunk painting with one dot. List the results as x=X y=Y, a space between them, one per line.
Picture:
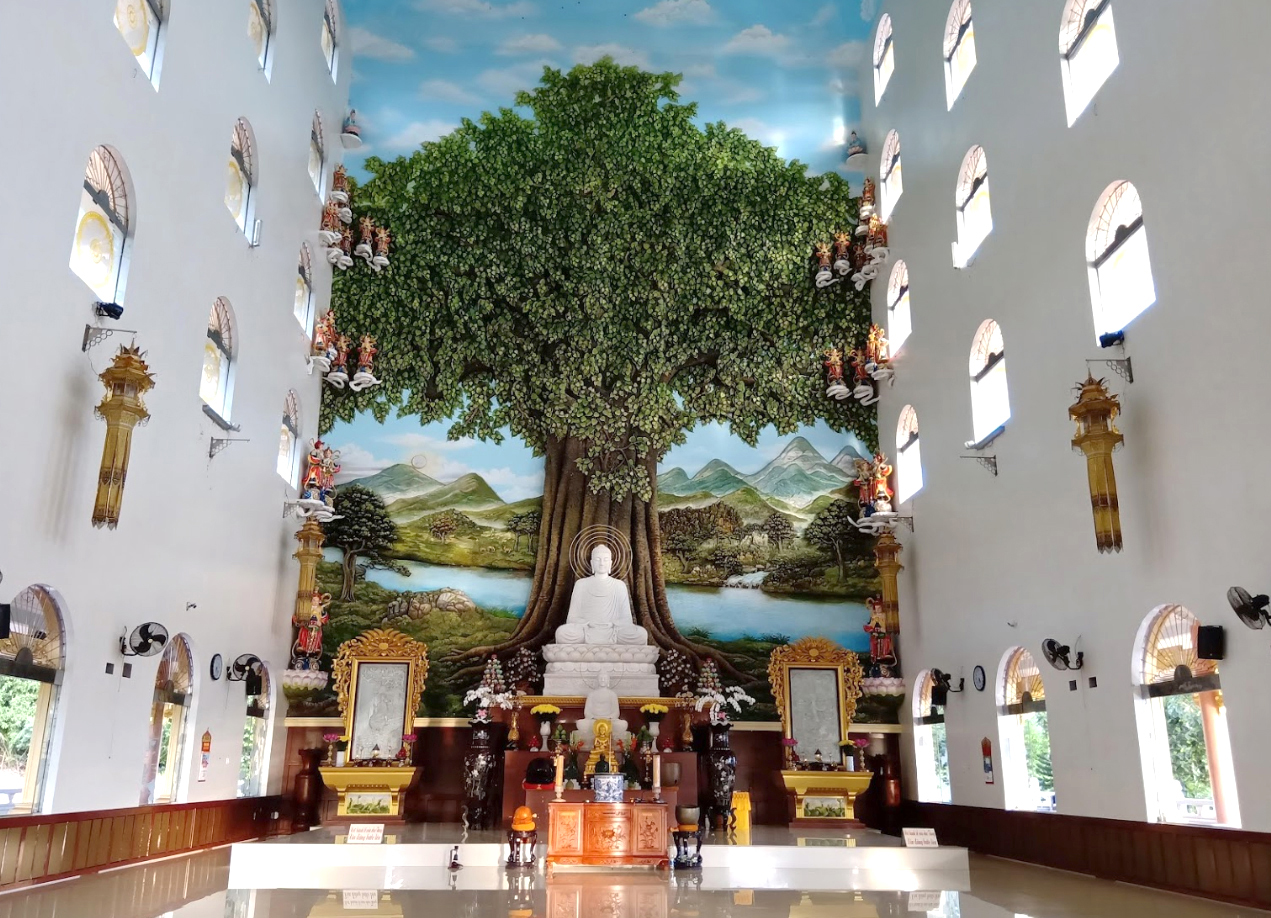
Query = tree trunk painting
x=569 y=507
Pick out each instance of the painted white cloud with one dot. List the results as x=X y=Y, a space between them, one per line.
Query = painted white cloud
x=357 y=462
x=586 y=54
x=761 y=131
x=507 y=81
x=478 y=9
x=824 y=15
x=446 y=91
x=758 y=40
x=677 y=12
x=441 y=44
x=850 y=55
x=417 y=132
x=366 y=43
x=529 y=44
x=704 y=71
x=868 y=9
x=512 y=486
x=422 y=443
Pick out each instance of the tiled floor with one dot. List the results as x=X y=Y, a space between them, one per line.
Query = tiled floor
x=194 y=887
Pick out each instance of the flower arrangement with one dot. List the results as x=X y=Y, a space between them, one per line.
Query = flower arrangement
x=523 y=670
x=546 y=709
x=789 y=742
x=675 y=673
x=654 y=712
x=711 y=693
x=491 y=693
x=409 y=738
x=331 y=738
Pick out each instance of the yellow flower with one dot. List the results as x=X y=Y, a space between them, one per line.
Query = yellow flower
x=654 y=709
x=544 y=709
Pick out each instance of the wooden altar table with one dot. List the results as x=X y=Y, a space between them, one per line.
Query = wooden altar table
x=608 y=835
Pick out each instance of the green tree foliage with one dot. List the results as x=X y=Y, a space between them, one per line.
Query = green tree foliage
x=362 y=529
x=17 y=719
x=602 y=269
x=727 y=560
x=686 y=529
x=833 y=531
x=778 y=529
x=1189 y=759
x=526 y=525
x=1037 y=749
x=442 y=528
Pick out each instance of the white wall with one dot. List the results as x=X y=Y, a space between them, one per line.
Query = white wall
x=191 y=530
x=1186 y=119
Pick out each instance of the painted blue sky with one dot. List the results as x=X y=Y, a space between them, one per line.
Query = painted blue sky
x=787 y=73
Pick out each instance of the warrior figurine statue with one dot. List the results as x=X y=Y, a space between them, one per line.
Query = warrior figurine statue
x=364 y=378
x=380 y=261
x=339 y=374
x=364 y=251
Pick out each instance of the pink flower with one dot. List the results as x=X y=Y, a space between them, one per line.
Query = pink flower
x=861 y=742
x=790 y=741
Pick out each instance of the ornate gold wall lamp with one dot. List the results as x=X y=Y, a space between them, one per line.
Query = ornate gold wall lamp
x=1097 y=437
x=127 y=380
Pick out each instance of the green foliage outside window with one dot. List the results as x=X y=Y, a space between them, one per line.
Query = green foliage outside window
x=1037 y=750
x=1189 y=760
x=17 y=720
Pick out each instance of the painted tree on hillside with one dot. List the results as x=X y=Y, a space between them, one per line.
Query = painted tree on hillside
x=832 y=531
x=526 y=525
x=778 y=529
x=599 y=274
x=362 y=529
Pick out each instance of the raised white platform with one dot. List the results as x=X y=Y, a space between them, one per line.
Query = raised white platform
x=574 y=669
x=415 y=857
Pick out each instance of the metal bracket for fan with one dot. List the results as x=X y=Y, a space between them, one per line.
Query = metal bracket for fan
x=989 y=462
x=93 y=336
x=1120 y=366
x=219 y=444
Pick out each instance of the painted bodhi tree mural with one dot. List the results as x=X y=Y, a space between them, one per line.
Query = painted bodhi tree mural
x=598 y=274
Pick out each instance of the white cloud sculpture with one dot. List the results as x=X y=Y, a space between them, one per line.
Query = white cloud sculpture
x=677 y=12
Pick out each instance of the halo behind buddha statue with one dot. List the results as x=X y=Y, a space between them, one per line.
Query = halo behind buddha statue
x=592 y=537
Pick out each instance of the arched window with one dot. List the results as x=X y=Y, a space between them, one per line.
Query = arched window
x=1087 y=52
x=316 y=155
x=330 y=36
x=899 y=324
x=908 y=455
x=104 y=226
x=253 y=763
x=1183 y=738
x=889 y=176
x=931 y=744
x=975 y=219
x=959 y=50
x=240 y=183
x=289 y=437
x=141 y=22
x=164 y=773
x=990 y=398
x=884 y=57
x=303 y=307
x=1121 y=284
x=260 y=29
x=217 y=386
x=30 y=676
x=1027 y=775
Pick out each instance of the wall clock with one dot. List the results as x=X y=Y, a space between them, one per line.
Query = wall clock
x=977 y=678
x=218 y=666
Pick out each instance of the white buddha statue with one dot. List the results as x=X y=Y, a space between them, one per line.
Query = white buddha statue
x=600 y=608
x=602 y=703
x=600 y=638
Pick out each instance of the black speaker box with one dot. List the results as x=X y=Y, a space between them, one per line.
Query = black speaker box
x=939 y=696
x=1211 y=642
x=6 y=618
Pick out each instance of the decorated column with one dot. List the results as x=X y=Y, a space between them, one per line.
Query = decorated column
x=127 y=380
x=887 y=562
x=308 y=554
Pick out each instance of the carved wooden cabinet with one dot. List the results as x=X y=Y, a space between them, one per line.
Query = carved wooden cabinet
x=607 y=834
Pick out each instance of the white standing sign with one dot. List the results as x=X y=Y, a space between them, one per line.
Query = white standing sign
x=365 y=899
x=920 y=838
x=366 y=833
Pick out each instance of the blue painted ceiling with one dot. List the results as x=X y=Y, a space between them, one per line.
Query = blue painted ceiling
x=787 y=72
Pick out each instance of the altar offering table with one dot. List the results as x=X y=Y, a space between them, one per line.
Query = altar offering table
x=515 y=762
x=608 y=835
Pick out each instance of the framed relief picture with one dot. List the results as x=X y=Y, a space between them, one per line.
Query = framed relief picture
x=815 y=684
x=379 y=678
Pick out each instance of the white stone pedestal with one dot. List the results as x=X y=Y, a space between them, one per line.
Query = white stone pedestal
x=574 y=669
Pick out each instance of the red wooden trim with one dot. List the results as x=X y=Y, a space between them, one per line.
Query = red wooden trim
x=1215 y=863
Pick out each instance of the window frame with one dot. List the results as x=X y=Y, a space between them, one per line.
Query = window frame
x=107 y=196
x=1072 y=48
x=220 y=335
x=290 y=426
x=265 y=14
x=173 y=706
x=243 y=159
x=318 y=147
x=898 y=296
x=891 y=181
x=884 y=57
x=304 y=281
x=258 y=725
x=1104 y=241
x=985 y=362
x=973 y=184
x=150 y=58
x=1011 y=715
x=331 y=34
x=906 y=460
x=928 y=743
x=958 y=30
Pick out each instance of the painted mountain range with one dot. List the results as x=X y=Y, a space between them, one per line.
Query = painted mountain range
x=795 y=479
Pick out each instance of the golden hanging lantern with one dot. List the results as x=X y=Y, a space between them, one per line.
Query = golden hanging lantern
x=1097 y=436
x=887 y=562
x=127 y=380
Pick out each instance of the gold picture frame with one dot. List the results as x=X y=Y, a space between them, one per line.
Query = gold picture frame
x=396 y=666
x=800 y=676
